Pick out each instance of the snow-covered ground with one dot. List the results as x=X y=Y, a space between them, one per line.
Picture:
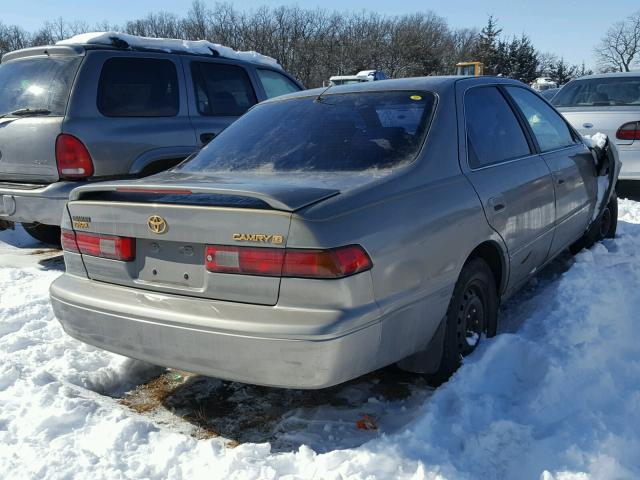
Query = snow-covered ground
x=556 y=395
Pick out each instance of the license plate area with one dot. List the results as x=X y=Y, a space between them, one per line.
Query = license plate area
x=174 y=264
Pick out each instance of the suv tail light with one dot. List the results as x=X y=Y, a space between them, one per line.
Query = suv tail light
x=72 y=157
x=275 y=262
x=99 y=245
x=629 y=131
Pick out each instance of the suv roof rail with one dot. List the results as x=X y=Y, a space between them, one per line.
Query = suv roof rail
x=123 y=41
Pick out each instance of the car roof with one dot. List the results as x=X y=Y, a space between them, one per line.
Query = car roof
x=436 y=84
x=610 y=75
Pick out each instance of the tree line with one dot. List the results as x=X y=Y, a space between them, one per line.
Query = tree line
x=314 y=44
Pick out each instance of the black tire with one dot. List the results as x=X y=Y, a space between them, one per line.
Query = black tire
x=605 y=227
x=44 y=233
x=473 y=310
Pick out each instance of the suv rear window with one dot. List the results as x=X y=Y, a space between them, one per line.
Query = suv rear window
x=337 y=132
x=37 y=83
x=138 y=87
x=598 y=92
x=221 y=89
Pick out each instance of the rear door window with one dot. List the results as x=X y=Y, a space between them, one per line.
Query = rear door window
x=222 y=90
x=276 y=84
x=494 y=134
x=550 y=130
x=37 y=83
x=138 y=87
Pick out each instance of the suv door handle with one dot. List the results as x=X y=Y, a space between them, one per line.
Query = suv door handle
x=497 y=203
x=207 y=137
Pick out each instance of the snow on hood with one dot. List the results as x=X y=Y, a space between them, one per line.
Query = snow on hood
x=202 y=47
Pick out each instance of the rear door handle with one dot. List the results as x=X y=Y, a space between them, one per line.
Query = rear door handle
x=207 y=137
x=561 y=181
x=497 y=203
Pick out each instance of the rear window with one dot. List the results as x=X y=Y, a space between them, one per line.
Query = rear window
x=138 y=87
x=337 y=132
x=599 y=92
x=37 y=83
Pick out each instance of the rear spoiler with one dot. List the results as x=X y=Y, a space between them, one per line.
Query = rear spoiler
x=68 y=50
x=284 y=197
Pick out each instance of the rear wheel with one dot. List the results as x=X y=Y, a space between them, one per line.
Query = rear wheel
x=605 y=227
x=44 y=233
x=472 y=311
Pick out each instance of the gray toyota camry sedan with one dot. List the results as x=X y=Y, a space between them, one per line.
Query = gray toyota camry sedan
x=332 y=232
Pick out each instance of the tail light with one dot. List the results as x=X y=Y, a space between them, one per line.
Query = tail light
x=72 y=157
x=99 y=245
x=275 y=262
x=629 y=131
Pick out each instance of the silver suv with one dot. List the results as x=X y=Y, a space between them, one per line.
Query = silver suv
x=82 y=112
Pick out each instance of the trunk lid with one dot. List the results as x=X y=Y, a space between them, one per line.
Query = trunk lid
x=195 y=212
x=591 y=120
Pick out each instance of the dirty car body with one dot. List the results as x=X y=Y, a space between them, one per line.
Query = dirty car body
x=322 y=235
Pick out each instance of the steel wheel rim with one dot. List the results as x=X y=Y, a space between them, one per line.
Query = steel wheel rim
x=605 y=222
x=471 y=319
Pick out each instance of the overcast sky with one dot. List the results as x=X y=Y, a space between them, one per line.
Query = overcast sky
x=568 y=28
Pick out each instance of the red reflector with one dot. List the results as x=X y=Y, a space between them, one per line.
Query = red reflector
x=275 y=262
x=629 y=131
x=72 y=157
x=98 y=245
x=68 y=241
x=164 y=191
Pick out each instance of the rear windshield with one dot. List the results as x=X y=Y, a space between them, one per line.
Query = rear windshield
x=37 y=83
x=599 y=92
x=340 y=132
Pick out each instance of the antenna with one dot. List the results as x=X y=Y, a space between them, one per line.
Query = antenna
x=318 y=99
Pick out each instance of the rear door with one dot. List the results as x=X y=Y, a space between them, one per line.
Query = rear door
x=219 y=93
x=130 y=110
x=513 y=182
x=571 y=164
x=27 y=142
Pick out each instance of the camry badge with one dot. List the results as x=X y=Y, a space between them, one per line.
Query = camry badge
x=157 y=224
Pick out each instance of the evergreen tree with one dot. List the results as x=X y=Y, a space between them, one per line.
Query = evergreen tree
x=488 y=48
x=561 y=72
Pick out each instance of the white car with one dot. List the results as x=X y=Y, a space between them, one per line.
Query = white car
x=608 y=103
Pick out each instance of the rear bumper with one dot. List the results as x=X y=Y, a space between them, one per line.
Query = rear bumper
x=43 y=204
x=220 y=339
x=630 y=159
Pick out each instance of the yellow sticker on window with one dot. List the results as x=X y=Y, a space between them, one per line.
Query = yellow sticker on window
x=415 y=97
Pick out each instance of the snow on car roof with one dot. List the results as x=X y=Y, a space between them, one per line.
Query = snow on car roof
x=200 y=47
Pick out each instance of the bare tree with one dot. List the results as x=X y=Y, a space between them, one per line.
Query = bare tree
x=619 y=49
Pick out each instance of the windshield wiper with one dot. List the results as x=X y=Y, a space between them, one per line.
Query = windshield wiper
x=26 y=112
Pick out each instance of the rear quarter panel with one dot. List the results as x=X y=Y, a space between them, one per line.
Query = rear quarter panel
x=418 y=225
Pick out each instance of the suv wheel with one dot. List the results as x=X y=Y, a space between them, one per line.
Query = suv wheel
x=44 y=233
x=472 y=310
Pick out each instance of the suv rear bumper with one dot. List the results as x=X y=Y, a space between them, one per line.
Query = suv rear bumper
x=186 y=333
x=34 y=203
